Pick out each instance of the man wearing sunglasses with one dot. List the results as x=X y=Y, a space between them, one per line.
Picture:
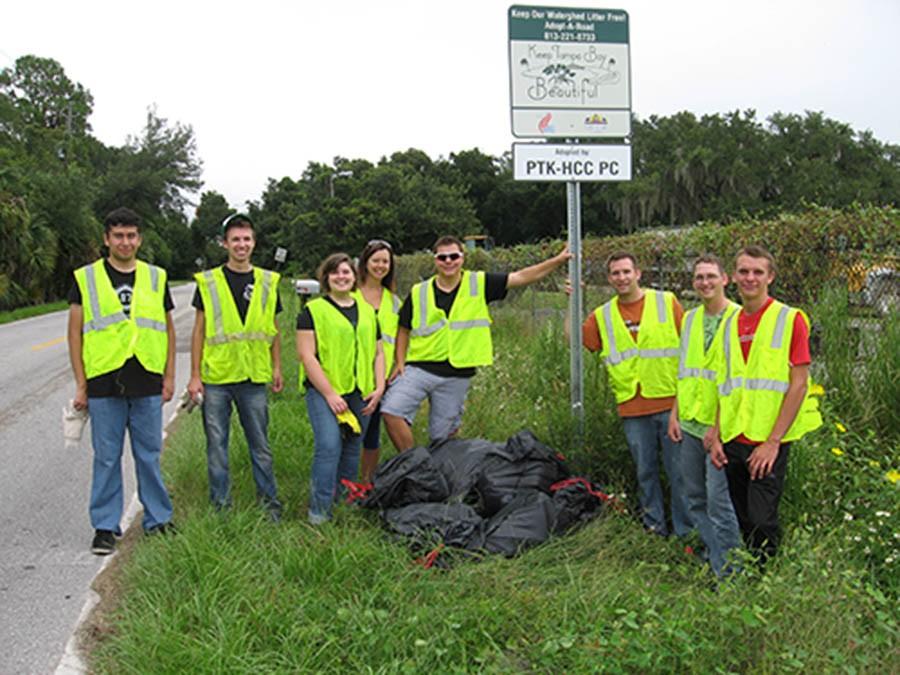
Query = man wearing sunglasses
x=443 y=337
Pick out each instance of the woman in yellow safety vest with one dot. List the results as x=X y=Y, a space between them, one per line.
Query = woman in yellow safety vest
x=376 y=286
x=342 y=369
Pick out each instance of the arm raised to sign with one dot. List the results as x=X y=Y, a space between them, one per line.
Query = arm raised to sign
x=528 y=275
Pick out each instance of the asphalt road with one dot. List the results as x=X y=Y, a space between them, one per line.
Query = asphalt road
x=46 y=566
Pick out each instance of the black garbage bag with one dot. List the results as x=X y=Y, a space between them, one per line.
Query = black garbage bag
x=524 y=522
x=577 y=501
x=461 y=460
x=426 y=526
x=409 y=478
x=522 y=465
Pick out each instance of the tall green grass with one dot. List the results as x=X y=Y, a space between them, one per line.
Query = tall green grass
x=234 y=593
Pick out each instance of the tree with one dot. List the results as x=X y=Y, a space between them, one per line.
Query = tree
x=44 y=96
x=153 y=173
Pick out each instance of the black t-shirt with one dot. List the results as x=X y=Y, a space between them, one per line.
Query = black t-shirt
x=132 y=380
x=305 y=321
x=494 y=289
x=241 y=286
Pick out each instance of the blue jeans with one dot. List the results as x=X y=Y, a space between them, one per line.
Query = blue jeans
x=253 y=411
x=142 y=416
x=708 y=502
x=646 y=436
x=334 y=457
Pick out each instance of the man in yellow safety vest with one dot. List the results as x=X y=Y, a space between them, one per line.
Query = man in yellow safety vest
x=444 y=335
x=235 y=353
x=764 y=402
x=637 y=337
x=705 y=486
x=122 y=349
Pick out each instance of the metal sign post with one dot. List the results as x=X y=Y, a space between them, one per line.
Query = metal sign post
x=570 y=78
x=576 y=372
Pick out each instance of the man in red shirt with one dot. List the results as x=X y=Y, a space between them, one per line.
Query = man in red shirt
x=755 y=460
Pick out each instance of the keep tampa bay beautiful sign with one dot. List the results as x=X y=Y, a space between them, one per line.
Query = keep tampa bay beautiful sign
x=569 y=72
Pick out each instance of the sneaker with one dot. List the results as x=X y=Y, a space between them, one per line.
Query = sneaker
x=316 y=519
x=104 y=542
x=165 y=528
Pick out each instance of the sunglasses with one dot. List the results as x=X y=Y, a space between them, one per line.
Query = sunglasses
x=444 y=257
x=380 y=242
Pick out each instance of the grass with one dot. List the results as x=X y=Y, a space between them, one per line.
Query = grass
x=9 y=316
x=236 y=594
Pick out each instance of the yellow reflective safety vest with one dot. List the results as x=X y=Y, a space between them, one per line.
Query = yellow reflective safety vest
x=697 y=393
x=388 y=321
x=110 y=337
x=751 y=393
x=464 y=337
x=347 y=355
x=235 y=351
x=652 y=362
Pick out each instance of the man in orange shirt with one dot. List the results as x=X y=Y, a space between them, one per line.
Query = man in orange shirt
x=637 y=337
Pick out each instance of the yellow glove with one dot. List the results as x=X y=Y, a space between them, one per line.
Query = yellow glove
x=349 y=422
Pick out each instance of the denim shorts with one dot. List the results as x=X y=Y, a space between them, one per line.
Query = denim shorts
x=446 y=396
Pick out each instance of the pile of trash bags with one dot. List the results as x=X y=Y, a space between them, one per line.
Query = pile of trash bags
x=468 y=497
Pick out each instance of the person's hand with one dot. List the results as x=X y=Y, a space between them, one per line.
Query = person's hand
x=564 y=255
x=277 y=381
x=336 y=403
x=762 y=459
x=567 y=287
x=168 y=388
x=80 y=400
x=396 y=372
x=711 y=435
x=195 y=388
x=372 y=401
x=717 y=453
x=674 y=430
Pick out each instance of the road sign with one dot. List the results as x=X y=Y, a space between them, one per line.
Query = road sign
x=280 y=254
x=569 y=72
x=570 y=162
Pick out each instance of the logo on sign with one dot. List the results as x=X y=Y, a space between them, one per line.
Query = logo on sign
x=545 y=126
x=596 y=120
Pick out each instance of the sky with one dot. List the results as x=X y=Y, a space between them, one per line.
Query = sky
x=270 y=86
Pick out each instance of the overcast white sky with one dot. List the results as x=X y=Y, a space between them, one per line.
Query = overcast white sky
x=269 y=86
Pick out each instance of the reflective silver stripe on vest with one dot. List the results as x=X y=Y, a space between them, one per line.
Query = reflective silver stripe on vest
x=660 y=306
x=762 y=384
x=387 y=338
x=218 y=325
x=702 y=373
x=396 y=302
x=474 y=323
x=238 y=337
x=151 y=324
x=473 y=284
x=93 y=296
x=726 y=387
x=780 y=324
x=615 y=357
x=154 y=277
x=683 y=370
x=104 y=322
x=266 y=287
x=424 y=330
x=97 y=322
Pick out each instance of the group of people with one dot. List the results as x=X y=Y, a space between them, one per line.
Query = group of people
x=720 y=391
x=351 y=343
